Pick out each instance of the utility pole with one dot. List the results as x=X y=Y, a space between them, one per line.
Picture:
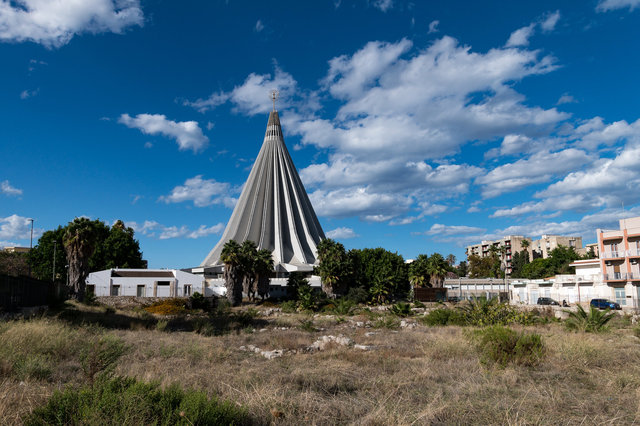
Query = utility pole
x=53 y=273
x=30 y=245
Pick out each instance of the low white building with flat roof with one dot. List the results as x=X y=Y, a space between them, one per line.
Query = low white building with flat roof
x=146 y=283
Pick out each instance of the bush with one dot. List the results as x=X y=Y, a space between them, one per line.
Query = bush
x=344 y=306
x=126 y=401
x=100 y=356
x=307 y=325
x=482 y=312
x=443 y=316
x=306 y=298
x=501 y=345
x=401 y=309
x=161 y=325
x=593 y=322
x=197 y=301
x=167 y=307
x=288 y=306
x=358 y=295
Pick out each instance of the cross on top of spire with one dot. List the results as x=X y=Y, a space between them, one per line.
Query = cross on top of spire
x=274 y=97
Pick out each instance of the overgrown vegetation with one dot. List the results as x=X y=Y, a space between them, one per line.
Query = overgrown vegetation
x=120 y=400
x=173 y=306
x=591 y=322
x=502 y=346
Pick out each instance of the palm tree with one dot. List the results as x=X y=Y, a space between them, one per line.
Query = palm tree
x=418 y=271
x=264 y=268
x=79 y=244
x=248 y=254
x=437 y=269
x=231 y=258
x=593 y=321
x=333 y=266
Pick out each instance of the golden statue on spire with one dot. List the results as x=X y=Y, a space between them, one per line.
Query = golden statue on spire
x=274 y=97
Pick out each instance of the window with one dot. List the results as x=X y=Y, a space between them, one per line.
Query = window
x=621 y=296
x=115 y=290
x=91 y=289
x=140 y=291
x=187 y=290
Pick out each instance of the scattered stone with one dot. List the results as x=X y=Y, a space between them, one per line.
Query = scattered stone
x=561 y=315
x=370 y=333
x=262 y=330
x=276 y=353
x=359 y=324
x=363 y=347
x=407 y=324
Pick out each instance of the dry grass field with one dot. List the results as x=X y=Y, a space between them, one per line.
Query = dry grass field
x=420 y=375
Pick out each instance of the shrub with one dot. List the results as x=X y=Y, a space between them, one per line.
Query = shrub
x=161 y=325
x=592 y=322
x=501 y=345
x=636 y=331
x=307 y=325
x=482 y=312
x=306 y=298
x=197 y=301
x=443 y=316
x=126 y=401
x=358 y=295
x=288 y=306
x=387 y=322
x=100 y=356
x=419 y=304
x=344 y=306
x=167 y=307
x=401 y=309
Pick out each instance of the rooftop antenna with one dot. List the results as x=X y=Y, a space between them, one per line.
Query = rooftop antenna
x=274 y=97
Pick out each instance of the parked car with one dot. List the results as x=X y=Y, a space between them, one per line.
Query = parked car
x=547 y=301
x=604 y=304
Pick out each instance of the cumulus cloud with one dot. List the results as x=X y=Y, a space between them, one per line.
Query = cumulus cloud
x=26 y=94
x=520 y=37
x=202 y=192
x=204 y=105
x=16 y=227
x=448 y=230
x=342 y=233
x=7 y=189
x=55 y=23
x=609 y=5
x=259 y=26
x=188 y=134
x=548 y=23
x=538 y=168
x=359 y=201
x=566 y=99
x=154 y=229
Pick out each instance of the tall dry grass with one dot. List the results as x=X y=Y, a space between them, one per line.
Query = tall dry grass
x=421 y=376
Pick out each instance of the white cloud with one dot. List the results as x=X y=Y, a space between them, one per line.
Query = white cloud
x=520 y=37
x=342 y=233
x=439 y=229
x=54 y=23
x=26 y=94
x=433 y=26
x=7 y=189
x=566 y=99
x=593 y=133
x=538 y=168
x=383 y=5
x=358 y=201
x=188 y=134
x=550 y=21
x=203 y=192
x=259 y=26
x=16 y=227
x=154 y=229
x=608 y=5
x=204 y=105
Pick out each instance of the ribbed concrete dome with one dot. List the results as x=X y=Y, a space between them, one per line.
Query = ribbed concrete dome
x=274 y=210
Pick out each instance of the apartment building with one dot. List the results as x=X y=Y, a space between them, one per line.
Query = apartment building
x=543 y=247
x=511 y=244
x=619 y=258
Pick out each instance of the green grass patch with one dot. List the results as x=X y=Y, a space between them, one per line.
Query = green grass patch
x=501 y=345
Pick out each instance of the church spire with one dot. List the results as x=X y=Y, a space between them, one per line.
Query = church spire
x=274 y=210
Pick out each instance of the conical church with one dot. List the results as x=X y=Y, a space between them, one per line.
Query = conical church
x=273 y=210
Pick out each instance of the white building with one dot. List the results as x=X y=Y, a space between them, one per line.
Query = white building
x=146 y=283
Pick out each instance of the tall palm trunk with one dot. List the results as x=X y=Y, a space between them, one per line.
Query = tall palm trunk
x=233 y=282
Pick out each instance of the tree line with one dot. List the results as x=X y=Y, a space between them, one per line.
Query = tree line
x=69 y=253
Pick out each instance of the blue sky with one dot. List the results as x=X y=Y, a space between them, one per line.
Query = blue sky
x=416 y=126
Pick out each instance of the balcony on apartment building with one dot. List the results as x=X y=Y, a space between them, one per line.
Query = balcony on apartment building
x=633 y=252
x=617 y=276
x=612 y=235
x=613 y=254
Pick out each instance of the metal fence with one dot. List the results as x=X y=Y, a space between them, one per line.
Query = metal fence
x=24 y=292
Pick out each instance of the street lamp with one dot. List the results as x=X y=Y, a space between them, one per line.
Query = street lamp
x=30 y=245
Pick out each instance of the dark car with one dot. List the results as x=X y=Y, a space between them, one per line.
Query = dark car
x=604 y=304
x=547 y=301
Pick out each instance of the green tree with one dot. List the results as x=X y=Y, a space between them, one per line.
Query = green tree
x=538 y=268
x=463 y=269
x=437 y=269
x=369 y=264
x=248 y=265
x=451 y=260
x=334 y=267
x=114 y=247
x=264 y=269
x=231 y=258
x=418 y=271
x=484 y=267
x=519 y=260
x=79 y=243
